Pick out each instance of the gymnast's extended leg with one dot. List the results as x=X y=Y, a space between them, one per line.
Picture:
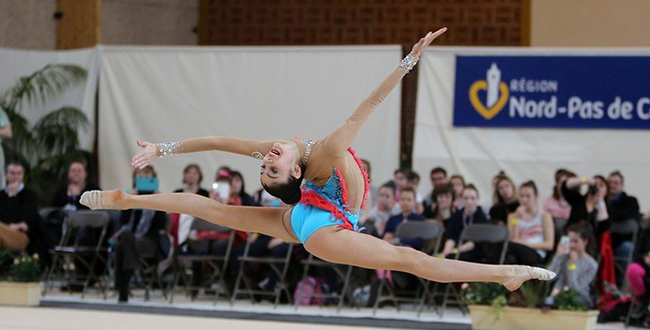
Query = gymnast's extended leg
x=349 y=247
x=271 y=221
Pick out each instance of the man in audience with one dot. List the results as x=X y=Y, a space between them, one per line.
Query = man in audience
x=621 y=207
x=19 y=218
x=438 y=178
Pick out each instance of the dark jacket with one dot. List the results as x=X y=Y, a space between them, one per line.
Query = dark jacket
x=456 y=224
x=61 y=197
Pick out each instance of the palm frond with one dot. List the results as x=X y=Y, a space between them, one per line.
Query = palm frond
x=43 y=84
x=57 y=132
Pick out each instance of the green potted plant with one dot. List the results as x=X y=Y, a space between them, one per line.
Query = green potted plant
x=493 y=308
x=21 y=285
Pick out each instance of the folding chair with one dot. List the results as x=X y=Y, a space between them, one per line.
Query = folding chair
x=70 y=250
x=343 y=272
x=425 y=230
x=477 y=233
x=218 y=263
x=279 y=266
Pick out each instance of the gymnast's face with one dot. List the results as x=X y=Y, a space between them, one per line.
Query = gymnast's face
x=280 y=163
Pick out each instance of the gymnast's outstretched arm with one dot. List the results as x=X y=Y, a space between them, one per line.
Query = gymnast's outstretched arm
x=151 y=151
x=338 y=142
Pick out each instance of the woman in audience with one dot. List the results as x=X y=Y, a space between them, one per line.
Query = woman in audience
x=505 y=200
x=470 y=214
x=68 y=196
x=532 y=233
x=192 y=178
x=555 y=204
x=326 y=212
x=457 y=182
x=238 y=195
x=576 y=269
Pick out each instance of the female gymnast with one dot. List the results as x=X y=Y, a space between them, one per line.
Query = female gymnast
x=325 y=210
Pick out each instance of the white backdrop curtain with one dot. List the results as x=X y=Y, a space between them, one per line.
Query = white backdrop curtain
x=16 y=63
x=167 y=94
x=524 y=154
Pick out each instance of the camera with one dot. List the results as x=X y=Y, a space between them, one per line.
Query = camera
x=593 y=190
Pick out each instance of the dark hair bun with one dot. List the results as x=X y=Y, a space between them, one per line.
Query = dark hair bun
x=293 y=199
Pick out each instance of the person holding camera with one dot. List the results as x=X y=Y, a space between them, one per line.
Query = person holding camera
x=589 y=207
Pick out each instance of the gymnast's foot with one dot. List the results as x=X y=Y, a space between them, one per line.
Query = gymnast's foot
x=104 y=200
x=525 y=273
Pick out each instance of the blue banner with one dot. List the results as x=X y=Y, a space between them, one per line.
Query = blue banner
x=553 y=91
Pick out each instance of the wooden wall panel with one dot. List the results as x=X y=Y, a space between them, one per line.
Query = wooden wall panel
x=79 y=25
x=341 y=22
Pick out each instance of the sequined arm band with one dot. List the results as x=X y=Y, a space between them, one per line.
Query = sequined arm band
x=408 y=63
x=168 y=148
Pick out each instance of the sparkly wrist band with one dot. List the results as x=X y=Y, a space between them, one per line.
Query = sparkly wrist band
x=408 y=63
x=168 y=148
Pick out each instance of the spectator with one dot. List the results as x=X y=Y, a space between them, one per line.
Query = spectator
x=378 y=217
x=575 y=267
x=400 y=181
x=413 y=182
x=532 y=233
x=443 y=208
x=621 y=207
x=192 y=178
x=181 y=223
x=67 y=197
x=438 y=177
x=5 y=133
x=505 y=200
x=142 y=236
x=555 y=204
x=238 y=195
x=407 y=203
x=19 y=218
x=638 y=273
x=589 y=207
x=470 y=214
x=457 y=182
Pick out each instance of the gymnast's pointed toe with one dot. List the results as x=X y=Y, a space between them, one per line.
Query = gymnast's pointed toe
x=103 y=200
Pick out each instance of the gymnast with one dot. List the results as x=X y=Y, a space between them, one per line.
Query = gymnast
x=323 y=213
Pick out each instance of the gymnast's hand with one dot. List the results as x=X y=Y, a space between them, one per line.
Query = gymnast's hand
x=145 y=156
x=426 y=41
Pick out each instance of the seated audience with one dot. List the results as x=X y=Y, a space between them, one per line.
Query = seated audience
x=413 y=182
x=443 y=206
x=575 y=267
x=192 y=178
x=555 y=204
x=505 y=200
x=438 y=177
x=470 y=214
x=532 y=233
x=407 y=203
x=457 y=183
x=67 y=196
x=19 y=219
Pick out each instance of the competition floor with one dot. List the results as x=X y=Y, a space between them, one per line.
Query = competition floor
x=65 y=312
